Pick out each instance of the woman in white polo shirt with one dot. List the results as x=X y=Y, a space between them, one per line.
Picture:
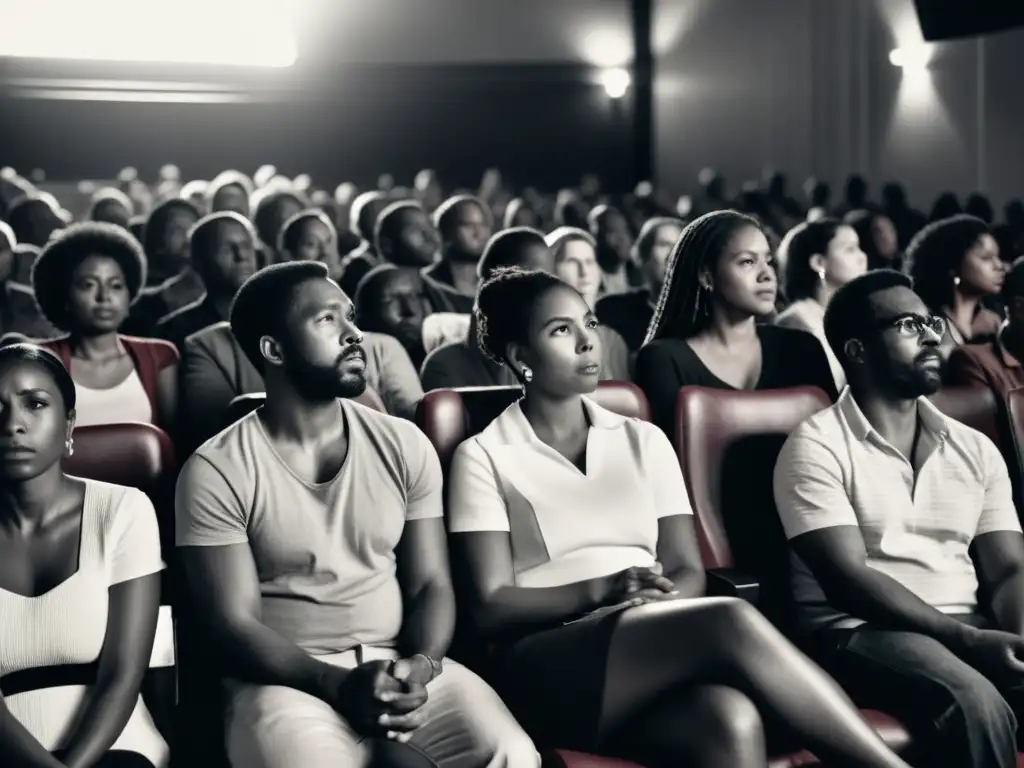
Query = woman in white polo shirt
x=574 y=527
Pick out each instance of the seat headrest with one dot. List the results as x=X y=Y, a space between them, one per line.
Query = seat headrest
x=132 y=454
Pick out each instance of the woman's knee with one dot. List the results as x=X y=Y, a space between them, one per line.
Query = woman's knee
x=729 y=715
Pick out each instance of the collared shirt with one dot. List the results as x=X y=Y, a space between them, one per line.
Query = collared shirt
x=565 y=525
x=836 y=470
x=988 y=364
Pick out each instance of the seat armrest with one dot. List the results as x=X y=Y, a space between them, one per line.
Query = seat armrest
x=729 y=582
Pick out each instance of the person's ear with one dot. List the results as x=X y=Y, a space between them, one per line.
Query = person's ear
x=854 y=351
x=71 y=425
x=271 y=350
x=817 y=264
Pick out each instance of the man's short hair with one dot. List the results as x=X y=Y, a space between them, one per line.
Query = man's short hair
x=200 y=237
x=389 y=220
x=446 y=215
x=849 y=314
x=261 y=304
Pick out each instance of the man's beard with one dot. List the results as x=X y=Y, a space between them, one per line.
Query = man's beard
x=323 y=383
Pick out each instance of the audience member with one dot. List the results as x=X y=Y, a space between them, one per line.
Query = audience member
x=84 y=282
x=222 y=248
x=310 y=236
x=333 y=617
x=630 y=313
x=34 y=219
x=463 y=364
x=720 y=279
x=611 y=232
x=79 y=588
x=518 y=213
x=391 y=300
x=171 y=282
x=112 y=206
x=271 y=208
x=405 y=236
x=878 y=238
x=908 y=554
x=575 y=252
x=21 y=314
x=229 y=191
x=214 y=371
x=819 y=257
x=996 y=364
x=575 y=530
x=464 y=224
x=955 y=264
x=363 y=214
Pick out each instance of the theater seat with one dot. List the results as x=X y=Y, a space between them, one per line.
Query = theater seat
x=977 y=407
x=449 y=416
x=243 y=405
x=728 y=442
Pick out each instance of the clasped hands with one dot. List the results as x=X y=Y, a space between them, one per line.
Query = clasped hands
x=385 y=698
x=639 y=585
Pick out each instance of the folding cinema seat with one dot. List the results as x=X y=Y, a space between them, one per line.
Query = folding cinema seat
x=449 y=416
x=140 y=456
x=728 y=442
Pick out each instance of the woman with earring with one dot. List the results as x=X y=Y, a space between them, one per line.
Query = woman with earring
x=574 y=531
x=820 y=257
x=79 y=588
x=719 y=282
x=955 y=265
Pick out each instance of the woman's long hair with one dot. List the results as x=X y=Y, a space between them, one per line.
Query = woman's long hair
x=684 y=308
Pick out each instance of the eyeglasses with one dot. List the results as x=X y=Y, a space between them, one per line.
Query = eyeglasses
x=915 y=325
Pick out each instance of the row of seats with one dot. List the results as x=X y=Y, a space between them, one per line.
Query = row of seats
x=727 y=442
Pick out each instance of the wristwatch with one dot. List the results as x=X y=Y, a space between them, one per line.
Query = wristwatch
x=436 y=665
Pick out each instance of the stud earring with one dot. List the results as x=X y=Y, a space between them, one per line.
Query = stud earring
x=527 y=374
x=70 y=445
x=821 y=274
x=956 y=280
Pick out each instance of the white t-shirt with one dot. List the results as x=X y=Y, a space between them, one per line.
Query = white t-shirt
x=120 y=541
x=566 y=526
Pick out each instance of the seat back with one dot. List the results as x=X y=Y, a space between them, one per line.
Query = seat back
x=1015 y=414
x=243 y=405
x=728 y=442
x=977 y=407
x=449 y=416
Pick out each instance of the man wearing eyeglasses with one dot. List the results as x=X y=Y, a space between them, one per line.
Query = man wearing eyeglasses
x=907 y=554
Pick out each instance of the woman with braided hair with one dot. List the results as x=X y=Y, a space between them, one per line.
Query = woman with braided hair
x=572 y=526
x=721 y=279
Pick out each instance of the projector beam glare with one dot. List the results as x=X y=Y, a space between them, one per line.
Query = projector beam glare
x=911 y=58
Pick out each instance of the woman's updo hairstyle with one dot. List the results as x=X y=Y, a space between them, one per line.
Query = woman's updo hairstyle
x=504 y=304
x=27 y=352
x=798 y=246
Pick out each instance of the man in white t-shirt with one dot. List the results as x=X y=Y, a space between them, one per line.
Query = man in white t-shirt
x=908 y=559
x=312 y=539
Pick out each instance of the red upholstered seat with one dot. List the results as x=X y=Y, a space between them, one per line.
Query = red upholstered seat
x=727 y=442
x=127 y=454
x=449 y=416
x=977 y=407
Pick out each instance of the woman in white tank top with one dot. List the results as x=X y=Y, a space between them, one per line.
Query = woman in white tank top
x=85 y=281
x=79 y=588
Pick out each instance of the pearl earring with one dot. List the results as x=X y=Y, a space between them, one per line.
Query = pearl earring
x=527 y=374
x=956 y=280
x=821 y=274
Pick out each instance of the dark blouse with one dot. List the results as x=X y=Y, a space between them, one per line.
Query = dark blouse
x=790 y=358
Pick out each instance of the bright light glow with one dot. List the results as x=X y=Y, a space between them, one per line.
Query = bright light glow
x=616 y=82
x=220 y=32
x=912 y=57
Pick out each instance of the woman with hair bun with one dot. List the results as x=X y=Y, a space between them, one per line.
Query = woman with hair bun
x=574 y=529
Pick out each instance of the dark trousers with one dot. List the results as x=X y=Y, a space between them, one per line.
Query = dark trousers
x=956 y=715
x=120 y=760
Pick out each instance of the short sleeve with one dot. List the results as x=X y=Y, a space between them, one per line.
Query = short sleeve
x=475 y=501
x=998 y=512
x=208 y=511
x=671 y=496
x=136 y=539
x=809 y=490
x=424 y=495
